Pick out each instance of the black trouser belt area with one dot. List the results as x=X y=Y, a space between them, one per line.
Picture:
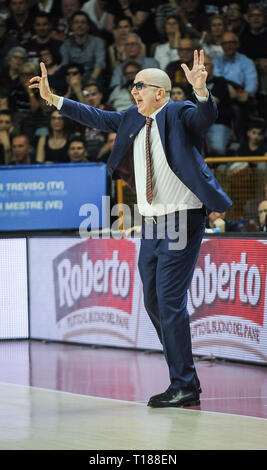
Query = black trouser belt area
x=156 y=219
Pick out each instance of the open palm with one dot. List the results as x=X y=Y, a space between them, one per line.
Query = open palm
x=197 y=76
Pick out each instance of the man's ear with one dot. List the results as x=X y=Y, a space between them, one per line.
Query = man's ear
x=160 y=94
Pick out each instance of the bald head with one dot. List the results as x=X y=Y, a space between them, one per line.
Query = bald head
x=156 y=77
x=154 y=92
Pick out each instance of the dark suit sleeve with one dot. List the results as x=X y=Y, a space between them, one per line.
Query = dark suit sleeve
x=200 y=116
x=107 y=121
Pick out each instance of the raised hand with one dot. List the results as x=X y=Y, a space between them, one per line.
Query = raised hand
x=41 y=83
x=197 y=76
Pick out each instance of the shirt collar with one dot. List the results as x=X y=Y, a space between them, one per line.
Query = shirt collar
x=154 y=114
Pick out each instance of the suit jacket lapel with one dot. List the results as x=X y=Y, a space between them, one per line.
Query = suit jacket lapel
x=133 y=122
x=161 y=118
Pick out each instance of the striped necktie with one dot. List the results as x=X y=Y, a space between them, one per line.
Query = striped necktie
x=149 y=195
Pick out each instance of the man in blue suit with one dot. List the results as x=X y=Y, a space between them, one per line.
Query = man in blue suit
x=157 y=151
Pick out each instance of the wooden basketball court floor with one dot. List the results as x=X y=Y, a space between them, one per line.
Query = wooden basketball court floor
x=74 y=397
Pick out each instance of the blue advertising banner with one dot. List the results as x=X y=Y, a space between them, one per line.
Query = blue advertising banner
x=50 y=196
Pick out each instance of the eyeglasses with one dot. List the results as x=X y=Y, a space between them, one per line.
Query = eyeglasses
x=139 y=86
x=129 y=44
x=262 y=211
x=18 y=57
x=229 y=43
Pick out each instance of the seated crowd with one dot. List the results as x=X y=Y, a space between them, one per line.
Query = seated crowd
x=93 y=49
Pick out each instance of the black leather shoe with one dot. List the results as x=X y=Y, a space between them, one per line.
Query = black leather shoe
x=175 y=398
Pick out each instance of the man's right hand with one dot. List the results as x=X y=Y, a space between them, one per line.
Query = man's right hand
x=42 y=84
x=44 y=88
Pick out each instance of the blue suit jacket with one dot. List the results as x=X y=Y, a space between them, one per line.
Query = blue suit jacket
x=180 y=126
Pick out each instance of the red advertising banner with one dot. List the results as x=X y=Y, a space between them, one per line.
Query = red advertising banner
x=227 y=298
x=90 y=292
x=94 y=283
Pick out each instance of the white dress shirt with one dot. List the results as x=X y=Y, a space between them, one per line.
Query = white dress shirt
x=169 y=193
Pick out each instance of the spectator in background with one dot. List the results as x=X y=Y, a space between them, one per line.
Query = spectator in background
x=262 y=93
x=69 y=7
x=235 y=21
x=94 y=138
x=37 y=124
x=4 y=99
x=116 y=50
x=165 y=9
x=23 y=101
x=77 y=152
x=133 y=49
x=83 y=48
x=55 y=73
x=236 y=67
x=211 y=41
x=253 y=40
x=21 y=151
x=105 y=151
x=254 y=144
x=63 y=21
x=218 y=134
x=10 y=76
x=178 y=92
x=193 y=21
x=74 y=75
x=241 y=74
x=42 y=27
x=7 y=132
x=96 y=11
x=139 y=12
x=167 y=51
x=253 y=43
x=7 y=41
x=251 y=207
x=50 y=7
x=219 y=220
x=103 y=156
x=262 y=214
x=53 y=148
x=215 y=7
x=19 y=24
x=121 y=97
x=4 y=10
x=186 y=53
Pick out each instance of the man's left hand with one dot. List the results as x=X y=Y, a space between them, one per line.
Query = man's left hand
x=197 y=76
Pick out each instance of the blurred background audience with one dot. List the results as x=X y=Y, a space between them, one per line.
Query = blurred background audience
x=93 y=49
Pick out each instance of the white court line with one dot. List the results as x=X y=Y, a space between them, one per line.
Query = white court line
x=234 y=398
x=188 y=409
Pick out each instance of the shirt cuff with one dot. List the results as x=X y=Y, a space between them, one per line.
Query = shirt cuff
x=202 y=98
x=60 y=103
